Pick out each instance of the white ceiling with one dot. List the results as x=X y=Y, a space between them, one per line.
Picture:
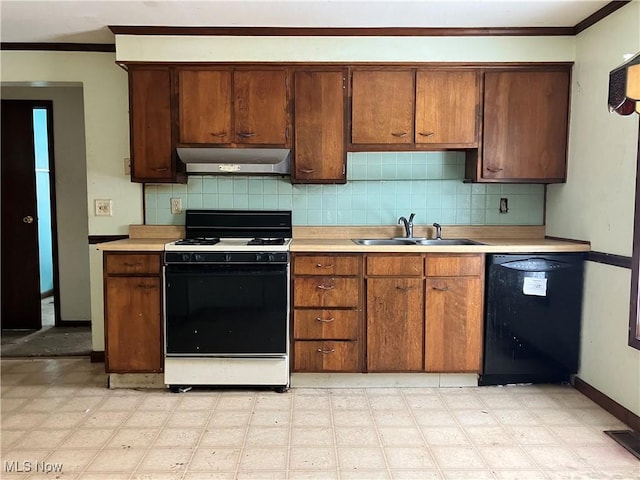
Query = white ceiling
x=86 y=21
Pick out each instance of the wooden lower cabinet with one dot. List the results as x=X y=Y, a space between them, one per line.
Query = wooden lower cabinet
x=454 y=312
x=453 y=324
x=423 y=313
x=132 y=313
x=395 y=324
x=327 y=313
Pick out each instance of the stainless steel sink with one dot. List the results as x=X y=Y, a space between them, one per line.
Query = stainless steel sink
x=414 y=241
x=383 y=241
x=448 y=241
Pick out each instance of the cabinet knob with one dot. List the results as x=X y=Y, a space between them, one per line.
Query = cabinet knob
x=399 y=134
x=27 y=219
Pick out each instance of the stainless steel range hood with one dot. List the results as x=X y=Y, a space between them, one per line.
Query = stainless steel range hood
x=238 y=161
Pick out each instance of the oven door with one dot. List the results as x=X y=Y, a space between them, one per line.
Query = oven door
x=226 y=309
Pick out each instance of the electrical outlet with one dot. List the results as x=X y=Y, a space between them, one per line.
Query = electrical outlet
x=104 y=208
x=127 y=166
x=176 y=205
x=504 y=205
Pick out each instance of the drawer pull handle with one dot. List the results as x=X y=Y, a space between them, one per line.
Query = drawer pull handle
x=221 y=134
x=246 y=134
x=134 y=265
x=404 y=289
x=307 y=170
x=319 y=265
x=426 y=134
x=326 y=351
x=162 y=169
x=325 y=320
x=441 y=289
x=146 y=288
x=494 y=169
x=326 y=287
x=399 y=134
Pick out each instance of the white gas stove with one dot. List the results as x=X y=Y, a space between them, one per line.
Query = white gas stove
x=226 y=291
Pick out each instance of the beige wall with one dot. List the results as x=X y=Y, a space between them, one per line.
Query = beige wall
x=106 y=124
x=70 y=170
x=597 y=203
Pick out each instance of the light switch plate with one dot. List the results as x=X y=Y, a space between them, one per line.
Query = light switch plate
x=104 y=208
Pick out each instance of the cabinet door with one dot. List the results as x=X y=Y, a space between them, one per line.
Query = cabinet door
x=525 y=126
x=382 y=106
x=261 y=107
x=395 y=324
x=319 y=127
x=447 y=107
x=133 y=335
x=150 y=117
x=453 y=324
x=204 y=98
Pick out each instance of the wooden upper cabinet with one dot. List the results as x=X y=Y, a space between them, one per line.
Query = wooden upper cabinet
x=382 y=106
x=261 y=107
x=233 y=106
x=319 y=126
x=152 y=156
x=205 y=106
x=525 y=126
x=447 y=103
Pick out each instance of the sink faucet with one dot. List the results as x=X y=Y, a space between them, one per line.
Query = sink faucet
x=408 y=225
x=438 y=231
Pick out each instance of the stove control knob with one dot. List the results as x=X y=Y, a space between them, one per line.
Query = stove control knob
x=186 y=257
x=227 y=258
x=271 y=257
x=258 y=257
x=198 y=257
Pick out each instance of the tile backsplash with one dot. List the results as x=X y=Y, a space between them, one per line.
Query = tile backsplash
x=381 y=187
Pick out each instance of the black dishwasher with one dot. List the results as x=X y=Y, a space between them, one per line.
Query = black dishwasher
x=532 y=318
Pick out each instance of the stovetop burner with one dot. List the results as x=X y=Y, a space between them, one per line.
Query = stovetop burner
x=198 y=241
x=266 y=241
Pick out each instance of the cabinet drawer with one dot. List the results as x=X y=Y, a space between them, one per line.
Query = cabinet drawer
x=326 y=324
x=326 y=357
x=454 y=265
x=326 y=265
x=325 y=292
x=132 y=263
x=385 y=265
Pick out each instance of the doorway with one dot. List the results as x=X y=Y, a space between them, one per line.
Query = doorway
x=29 y=253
